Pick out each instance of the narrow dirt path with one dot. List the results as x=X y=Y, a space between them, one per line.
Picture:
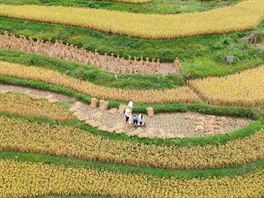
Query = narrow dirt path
x=164 y=125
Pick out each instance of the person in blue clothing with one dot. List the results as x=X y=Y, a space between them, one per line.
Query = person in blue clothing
x=135 y=119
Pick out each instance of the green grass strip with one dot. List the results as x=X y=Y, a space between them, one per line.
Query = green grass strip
x=157 y=172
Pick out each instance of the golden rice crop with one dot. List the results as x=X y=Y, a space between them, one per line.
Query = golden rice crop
x=24 y=136
x=242 y=16
x=182 y=94
x=24 y=105
x=24 y=179
x=245 y=88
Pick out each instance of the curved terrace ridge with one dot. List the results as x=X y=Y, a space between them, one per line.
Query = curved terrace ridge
x=248 y=95
x=180 y=94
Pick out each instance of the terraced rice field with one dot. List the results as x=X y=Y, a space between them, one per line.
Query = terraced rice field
x=21 y=104
x=245 y=88
x=243 y=16
x=182 y=94
x=80 y=181
x=62 y=124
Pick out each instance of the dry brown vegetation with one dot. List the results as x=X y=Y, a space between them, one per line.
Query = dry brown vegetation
x=106 y=62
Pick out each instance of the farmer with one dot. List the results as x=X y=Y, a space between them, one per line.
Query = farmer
x=130 y=104
x=128 y=113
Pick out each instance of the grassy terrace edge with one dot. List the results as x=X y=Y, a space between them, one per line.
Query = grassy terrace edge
x=94 y=74
x=186 y=94
x=98 y=76
x=126 y=169
x=197 y=59
x=252 y=113
x=234 y=18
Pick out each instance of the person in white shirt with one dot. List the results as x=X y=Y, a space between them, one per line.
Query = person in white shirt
x=139 y=119
x=130 y=104
x=128 y=113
